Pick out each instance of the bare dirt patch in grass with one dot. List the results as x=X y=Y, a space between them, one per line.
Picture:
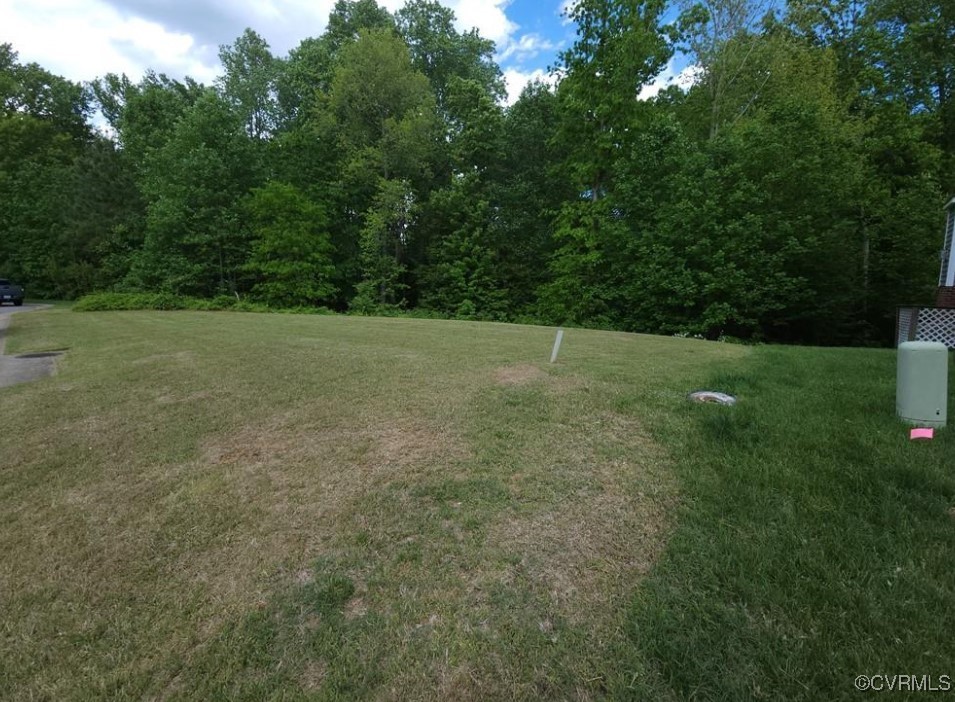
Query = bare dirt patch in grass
x=308 y=474
x=90 y=426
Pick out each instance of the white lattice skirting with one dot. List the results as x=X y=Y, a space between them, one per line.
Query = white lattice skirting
x=926 y=324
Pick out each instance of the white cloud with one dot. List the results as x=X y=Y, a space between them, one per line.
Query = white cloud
x=85 y=39
x=689 y=76
x=516 y=80
x=527 y=47
x=82 y=43
x=488 y=16
x=670 y=76
x=565 y=9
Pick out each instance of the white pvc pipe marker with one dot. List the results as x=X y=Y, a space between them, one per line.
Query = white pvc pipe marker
x=560 y=337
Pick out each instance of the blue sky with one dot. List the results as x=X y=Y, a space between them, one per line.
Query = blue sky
x=547 y=29
x=84 y=39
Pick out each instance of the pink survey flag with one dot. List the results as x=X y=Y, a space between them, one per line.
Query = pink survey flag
x=922 y=434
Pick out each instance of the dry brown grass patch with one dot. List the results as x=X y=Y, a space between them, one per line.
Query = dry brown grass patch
x=176 y=357
x=173 y=399
x=313 y=675
x=587 y=550
x=355 y=608
x=518 y=375
x=297 y=489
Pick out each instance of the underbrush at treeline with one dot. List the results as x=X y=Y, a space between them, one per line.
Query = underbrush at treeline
x=119 y=301
x=111 y=301
x=114 y=301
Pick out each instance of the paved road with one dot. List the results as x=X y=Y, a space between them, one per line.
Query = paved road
x=21 y=370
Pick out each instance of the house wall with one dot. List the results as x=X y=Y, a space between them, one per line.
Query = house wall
x=945 y=296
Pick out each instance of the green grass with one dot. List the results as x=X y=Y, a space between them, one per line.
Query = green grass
x=241 y=506
x=815 y=541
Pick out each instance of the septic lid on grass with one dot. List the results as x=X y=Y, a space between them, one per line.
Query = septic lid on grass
x=712 y=397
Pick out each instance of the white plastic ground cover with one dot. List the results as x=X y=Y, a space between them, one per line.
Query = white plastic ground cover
x=718 y=398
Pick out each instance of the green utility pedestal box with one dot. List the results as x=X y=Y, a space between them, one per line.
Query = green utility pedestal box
x=921 y=393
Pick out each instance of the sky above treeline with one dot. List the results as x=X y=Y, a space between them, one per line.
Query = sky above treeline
x=84 y=39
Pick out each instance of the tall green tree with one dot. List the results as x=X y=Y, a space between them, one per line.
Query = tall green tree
x=846 y=27
x=195 y=242
x=620 y=46
x=715 y=33
x=250 y=83
x=290 y=259
x=304 y=78
x=43 y=130
x=917 y=52
x=533 y=190
x=350 y=17
x=102 y=215
x=441 y=53
x=385 y=233
x=900 y=141
x=383 y=113
x=143 y=115
x=463 y=275
x=29 y=89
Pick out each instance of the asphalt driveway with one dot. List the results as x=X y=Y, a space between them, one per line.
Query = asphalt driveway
x=13 y=370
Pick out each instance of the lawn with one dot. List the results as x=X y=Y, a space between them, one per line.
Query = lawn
x=251 y=506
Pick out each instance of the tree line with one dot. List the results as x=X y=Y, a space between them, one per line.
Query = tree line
x=792 y=193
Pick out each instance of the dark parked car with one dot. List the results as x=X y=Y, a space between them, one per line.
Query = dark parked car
x=10 y=293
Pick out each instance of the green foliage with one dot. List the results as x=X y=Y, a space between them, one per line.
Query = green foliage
x=793 y=193
x=45 y=138
x=111 y=302
x=29 y=89
x=463 y=279
x=382 y=239
x=531 y=190
x=384 y=119
x=761 y=225
x=913 y=43
x=350 y=17
x=249 y=83
x=620 y=46
x=384 y=108
x=463 y=276
x=304 y=76
x=194 y=241
x=776 y=225
x=291 y=252
x=119 y=301
x=443 y=55
x=144 y=115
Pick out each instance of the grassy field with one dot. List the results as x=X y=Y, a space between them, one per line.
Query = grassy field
x=238 y=506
